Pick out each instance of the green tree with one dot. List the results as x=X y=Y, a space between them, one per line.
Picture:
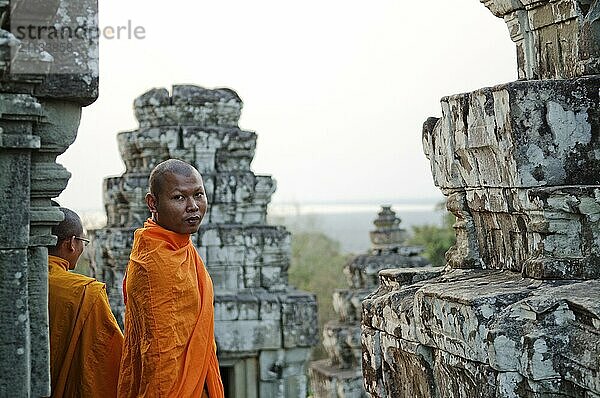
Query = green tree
x=434 y=239
x=316 y=266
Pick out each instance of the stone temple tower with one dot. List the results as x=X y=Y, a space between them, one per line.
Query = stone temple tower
x=264 y=328
x=517 y=311
x=340 y=375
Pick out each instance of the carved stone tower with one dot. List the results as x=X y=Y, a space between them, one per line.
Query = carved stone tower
x=264 y=329
x=516 y=312
x=340 y=375
x=43 y=86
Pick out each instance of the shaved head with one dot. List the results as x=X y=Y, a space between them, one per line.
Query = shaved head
x=70 y=226
x=170 y=166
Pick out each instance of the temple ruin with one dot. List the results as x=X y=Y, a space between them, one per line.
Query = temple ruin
x=516 y=312
x=42 y=92
x=263 y=327
x=340 y=375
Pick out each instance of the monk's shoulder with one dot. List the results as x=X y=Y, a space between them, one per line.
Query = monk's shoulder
x=70 y=279
x=96 y=288
x=149 y=251
x=73 y=289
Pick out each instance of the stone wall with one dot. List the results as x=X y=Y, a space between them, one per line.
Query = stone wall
x=264 y=328
x=41 y=95
x=515 y=313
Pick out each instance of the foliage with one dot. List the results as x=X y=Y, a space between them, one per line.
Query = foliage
x=434 y=239
x=316 y=266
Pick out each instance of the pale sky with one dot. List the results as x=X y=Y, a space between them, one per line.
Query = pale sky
x=337 y=91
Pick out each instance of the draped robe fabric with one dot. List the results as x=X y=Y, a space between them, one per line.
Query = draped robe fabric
x=169 y=348
x=85 y=339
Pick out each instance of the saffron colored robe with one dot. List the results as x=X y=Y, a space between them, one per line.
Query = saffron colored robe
x=85 y=339
x=169 y=348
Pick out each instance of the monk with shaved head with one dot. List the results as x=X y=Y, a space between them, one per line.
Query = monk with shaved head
x=169 y=348
x=85 y=339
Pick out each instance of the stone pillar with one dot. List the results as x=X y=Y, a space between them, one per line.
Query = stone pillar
x=515 y=314
x=264 y=328
x=43 y=85
x=340 y=375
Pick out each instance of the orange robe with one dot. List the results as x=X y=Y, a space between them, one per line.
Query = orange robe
x=85 y=339
x=169 y=348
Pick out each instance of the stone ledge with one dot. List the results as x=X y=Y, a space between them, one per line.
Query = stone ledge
x=327 y=381
x=363 y=270
x=396 y=277
x=16 y=141
x=543 y=333
x=522 y=134
x=323 y=367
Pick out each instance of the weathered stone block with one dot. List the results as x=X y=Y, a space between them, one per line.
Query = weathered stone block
x=188 y=105
x=299 y=319
x=485 y=328
x=247 y=335
x=252 y=277
x=518 y=135
x=392 y=310
x=239 y=306
x=347 y=303
x=331 y=382
x=273 y=278
x=564 y=319
x=372 y=361
x=363 y=271
x=226 y=308
x=270 y=307
x=15 y=203
x=454 y=313
x=227 y=279
x=554 y=39
x=509 y=157
x=15 y=338
x=285 y=369
x=407 y=368
x=456 y=378
x=397 y=277
x=20 y=113
x=295 y=386
x=64 y=67
x=342 y=343
x=37 y=275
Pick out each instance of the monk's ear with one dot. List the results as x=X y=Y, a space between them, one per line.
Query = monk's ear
x=64 y=246
x=71 y=244
x=151 y=202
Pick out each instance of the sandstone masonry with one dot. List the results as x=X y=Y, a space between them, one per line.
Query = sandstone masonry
x=516 y=313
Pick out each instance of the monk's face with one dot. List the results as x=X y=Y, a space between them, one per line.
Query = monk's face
x=181 y=203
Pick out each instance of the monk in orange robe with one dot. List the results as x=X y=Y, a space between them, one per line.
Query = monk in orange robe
x=169 y=348
x=85 y=339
